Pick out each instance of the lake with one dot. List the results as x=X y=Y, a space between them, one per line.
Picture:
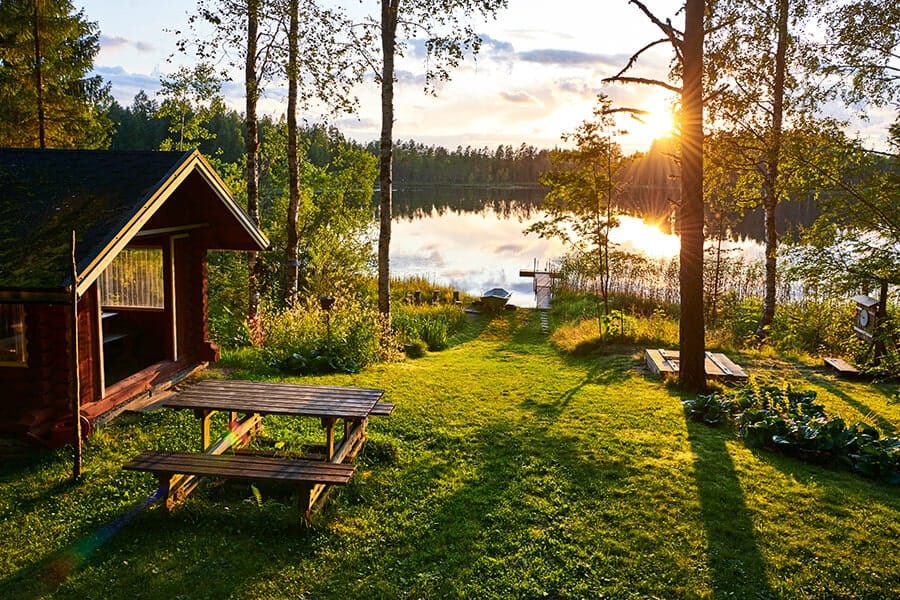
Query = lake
x=473 y=239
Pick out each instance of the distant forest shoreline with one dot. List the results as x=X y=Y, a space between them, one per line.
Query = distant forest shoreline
x=649 y=187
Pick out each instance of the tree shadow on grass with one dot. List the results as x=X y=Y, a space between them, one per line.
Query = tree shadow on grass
x=734 y=557
x=605 y=371
x=884 y=425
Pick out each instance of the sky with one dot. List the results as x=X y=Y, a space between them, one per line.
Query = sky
x=537 y=76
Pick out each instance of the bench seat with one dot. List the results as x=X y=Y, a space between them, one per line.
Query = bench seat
x=382 y=409
x=305 y=473
x=243 y=466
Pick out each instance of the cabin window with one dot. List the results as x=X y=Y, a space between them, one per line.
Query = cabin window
x=134 y=279
x=12 y=334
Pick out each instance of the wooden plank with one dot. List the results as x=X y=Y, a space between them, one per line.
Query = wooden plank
x=660 y=362
x=287 y=399
x=717 y=365
x=180 y=485
x=842 y=367
x=240 y=466
x=730 y=369
x=382 y=409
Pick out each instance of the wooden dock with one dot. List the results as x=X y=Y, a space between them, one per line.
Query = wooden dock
x=543 y=285
x=543 y=292
x=717 y=365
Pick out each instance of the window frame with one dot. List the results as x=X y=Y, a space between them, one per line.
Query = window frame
x=155 y=288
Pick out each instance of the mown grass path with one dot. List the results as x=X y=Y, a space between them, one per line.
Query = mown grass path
x=506 y=471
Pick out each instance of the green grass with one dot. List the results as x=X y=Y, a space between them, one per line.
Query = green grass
x=508 y=470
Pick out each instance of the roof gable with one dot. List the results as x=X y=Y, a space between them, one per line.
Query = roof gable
x=104 y=196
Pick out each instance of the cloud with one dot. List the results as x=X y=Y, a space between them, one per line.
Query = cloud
x=513 y=249
x=410 y=78
x=111 y=42
x=494 y=47
x=125 y=85
x=559 y=57
x=578 y=87
x=519 y=98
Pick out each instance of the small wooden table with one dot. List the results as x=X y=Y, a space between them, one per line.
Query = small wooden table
x=256 y=399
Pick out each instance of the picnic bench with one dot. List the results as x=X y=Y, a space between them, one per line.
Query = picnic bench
x=179 y=472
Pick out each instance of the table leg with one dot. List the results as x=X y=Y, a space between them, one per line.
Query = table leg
x=205 y=417
x=328 y=424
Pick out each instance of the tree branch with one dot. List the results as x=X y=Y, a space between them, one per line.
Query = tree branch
x=644 y=81
x=634 y=57
x=671 y=33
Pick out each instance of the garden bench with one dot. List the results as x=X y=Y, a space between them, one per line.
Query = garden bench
x=382 y=409
x=304 y=473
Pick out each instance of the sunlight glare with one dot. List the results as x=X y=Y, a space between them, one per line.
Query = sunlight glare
x=658 y=122
x=634 y=235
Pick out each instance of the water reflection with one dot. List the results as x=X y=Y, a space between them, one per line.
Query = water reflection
x=473 y=239
x=470 y=251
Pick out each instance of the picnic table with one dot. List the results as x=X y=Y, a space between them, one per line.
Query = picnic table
x=179 y=472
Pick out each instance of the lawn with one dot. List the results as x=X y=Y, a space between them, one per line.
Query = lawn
x=506 y=471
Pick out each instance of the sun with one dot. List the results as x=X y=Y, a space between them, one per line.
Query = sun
x=658 y=121
x=634 y=234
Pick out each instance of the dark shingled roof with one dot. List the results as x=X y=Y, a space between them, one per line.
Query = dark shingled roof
x=103 y=196
x=45 y=194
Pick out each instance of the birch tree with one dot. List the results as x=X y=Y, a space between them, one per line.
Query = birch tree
x=762 y=63
x=446 y=26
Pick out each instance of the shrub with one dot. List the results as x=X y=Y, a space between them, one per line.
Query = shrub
x=416 y=349
x=307 y=339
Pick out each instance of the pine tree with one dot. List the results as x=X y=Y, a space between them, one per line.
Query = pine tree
x=47 y=98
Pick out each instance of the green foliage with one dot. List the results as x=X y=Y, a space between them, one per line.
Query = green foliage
x=139 y=126
x=793 y=422
x=431 y=324
x=414 y=163
x=334 y=216
x=816 y=327
x=416 y=349
x=577 y=331
x=74 y=103
x=191 y=96
x=307 y=339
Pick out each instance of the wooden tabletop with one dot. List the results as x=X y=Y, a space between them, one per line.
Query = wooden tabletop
x=277 y=399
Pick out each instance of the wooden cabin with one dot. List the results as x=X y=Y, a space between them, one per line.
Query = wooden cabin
x=143 y=223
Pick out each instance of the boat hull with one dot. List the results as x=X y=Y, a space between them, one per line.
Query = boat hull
x=495 y=299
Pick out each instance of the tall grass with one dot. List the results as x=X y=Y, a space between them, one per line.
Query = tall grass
x=431 y=324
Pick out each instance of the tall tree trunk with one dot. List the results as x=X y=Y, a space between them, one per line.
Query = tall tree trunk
x=692 y=374
x=293 y=239
x=39 y=78
x=770 y=177
x=389 y=10
x=251 y=87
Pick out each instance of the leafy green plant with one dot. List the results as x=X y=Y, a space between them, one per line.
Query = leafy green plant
x=711 y=409
x=433 y=324
x=794 y=422
x=416 y=349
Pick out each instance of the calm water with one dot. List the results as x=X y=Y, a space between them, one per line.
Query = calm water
x=474 y=240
